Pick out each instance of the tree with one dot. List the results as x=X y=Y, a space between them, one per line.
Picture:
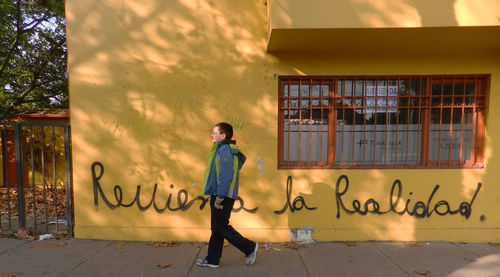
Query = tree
x=33 y=71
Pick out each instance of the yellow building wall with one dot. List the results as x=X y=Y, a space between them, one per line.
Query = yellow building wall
x=382 y=13
x=149 y=79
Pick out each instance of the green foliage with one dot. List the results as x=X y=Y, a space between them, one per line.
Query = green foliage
x=33 y=71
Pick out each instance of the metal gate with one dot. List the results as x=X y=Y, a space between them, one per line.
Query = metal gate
x=36 y=192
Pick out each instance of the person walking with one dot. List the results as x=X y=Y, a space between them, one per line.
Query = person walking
x=221 y=182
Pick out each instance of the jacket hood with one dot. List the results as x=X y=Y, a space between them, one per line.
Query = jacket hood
x=241 y=158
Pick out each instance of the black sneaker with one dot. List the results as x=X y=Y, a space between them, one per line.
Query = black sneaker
x=204 y=263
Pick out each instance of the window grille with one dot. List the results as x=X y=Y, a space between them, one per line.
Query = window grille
x=381 y=122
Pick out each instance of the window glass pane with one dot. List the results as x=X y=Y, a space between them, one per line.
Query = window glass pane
x=304 y=91
x=377 y=137
x=448 y=89
x=359 y=118
x=435 y=116
x=319 y=133
x=416 y=101
x=416 y=116
x=286 y=126
x=304 y=103
x=457 y=116
x=411 y=141
x=294 y=143
x=315 y=90
x=436 y=89
x=416 y=86
x=404 y=87
x=468 y=115
x=393 y=118
x=316 y=116
x=435 y=143
x=469 y=89
x=359 y=102
x=359 y=88
x=459 y=89
x=403 y=101
x=294 y=117
x=325 y=89
x=446 y=116
x=305 y=115
x=436 y=101
x=403 y=116
x=294 y=90
x=346 y=88
x=304 y=145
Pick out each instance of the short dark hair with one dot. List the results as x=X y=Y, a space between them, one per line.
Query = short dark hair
x=225 y=128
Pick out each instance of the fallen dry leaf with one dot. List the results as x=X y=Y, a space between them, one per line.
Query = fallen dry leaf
x=13 y=274
x=421 y=272
x=62 y=243
x=291 y=246
x=350 y=244
x=493 y=244
x=119 y=244
x=8 y=197
x=469 y=259
x=157 y=244
x=164 y=265
x=154 y=244
x=24 y=234
x=414 y=245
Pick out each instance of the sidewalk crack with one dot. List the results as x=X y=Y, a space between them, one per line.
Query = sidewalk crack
x=459 y=245
x=303 y=263
x=85 y=260
x=381 y=252
x=193 y=262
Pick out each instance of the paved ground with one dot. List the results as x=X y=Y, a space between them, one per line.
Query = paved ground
x=75 y=257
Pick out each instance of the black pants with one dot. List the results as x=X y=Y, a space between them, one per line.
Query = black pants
x=222 y=230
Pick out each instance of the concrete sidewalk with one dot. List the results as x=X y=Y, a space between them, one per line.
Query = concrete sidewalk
x=75 y=257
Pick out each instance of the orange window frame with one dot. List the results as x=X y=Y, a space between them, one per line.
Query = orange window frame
x=333 y=107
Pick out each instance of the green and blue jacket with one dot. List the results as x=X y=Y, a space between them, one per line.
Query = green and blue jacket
x=222 y=173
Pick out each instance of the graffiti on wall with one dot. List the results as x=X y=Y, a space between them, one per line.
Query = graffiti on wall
x=182 y=202
x=395 y=202
x=298 y=202
x=419 y=209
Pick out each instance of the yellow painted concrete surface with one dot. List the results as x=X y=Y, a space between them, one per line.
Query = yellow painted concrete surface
x=352 y=25
x=149 y=79
x=312 y=14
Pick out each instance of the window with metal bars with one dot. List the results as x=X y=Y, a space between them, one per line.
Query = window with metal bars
x=381 y=122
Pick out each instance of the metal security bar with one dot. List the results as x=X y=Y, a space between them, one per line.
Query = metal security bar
x=382 y=121
x=36 y=191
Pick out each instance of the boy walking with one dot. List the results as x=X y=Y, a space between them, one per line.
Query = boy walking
x=221 y=183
